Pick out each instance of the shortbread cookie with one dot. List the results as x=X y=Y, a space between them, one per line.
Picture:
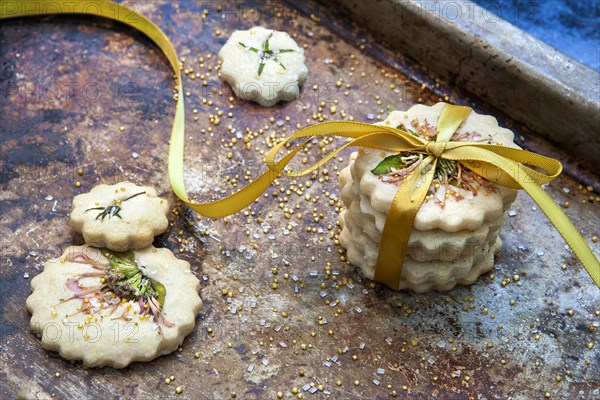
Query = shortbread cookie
x=416 y=275
x=432 y=244
x=468 y=213
x=423 y=245
x=110 y=309
x=455 y=232
x=120 y=217
x=263 y=65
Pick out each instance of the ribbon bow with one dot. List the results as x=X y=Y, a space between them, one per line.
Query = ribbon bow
x=506 y=166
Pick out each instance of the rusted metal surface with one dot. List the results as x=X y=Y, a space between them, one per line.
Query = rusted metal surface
x=356 y=339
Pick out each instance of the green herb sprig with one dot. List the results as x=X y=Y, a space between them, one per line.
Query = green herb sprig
x=395 y=168
x=126 y=280
x=113 y=210
x=266 y=54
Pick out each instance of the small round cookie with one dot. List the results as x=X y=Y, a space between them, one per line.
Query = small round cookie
x=110 y=309
x=263 y=65
x=120 y=217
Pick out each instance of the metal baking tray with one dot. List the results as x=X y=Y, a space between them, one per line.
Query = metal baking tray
x=69 y=84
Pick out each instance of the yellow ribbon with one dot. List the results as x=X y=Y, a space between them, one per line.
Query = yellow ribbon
x=506 y=166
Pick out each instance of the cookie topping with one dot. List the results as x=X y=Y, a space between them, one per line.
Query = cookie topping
x=267 y=54
x=121 y=280
x=114 y=209
x=395 y=168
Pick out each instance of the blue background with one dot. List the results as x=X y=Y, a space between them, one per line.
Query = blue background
x=569 y=25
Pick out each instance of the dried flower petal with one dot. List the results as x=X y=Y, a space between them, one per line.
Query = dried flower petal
x=121 y=279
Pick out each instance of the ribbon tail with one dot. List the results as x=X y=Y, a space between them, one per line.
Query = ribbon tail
x=399 y=223
x=245 y=196
x=505 y=166
x=565 y=227
x=176 y=149
x=450 y=119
